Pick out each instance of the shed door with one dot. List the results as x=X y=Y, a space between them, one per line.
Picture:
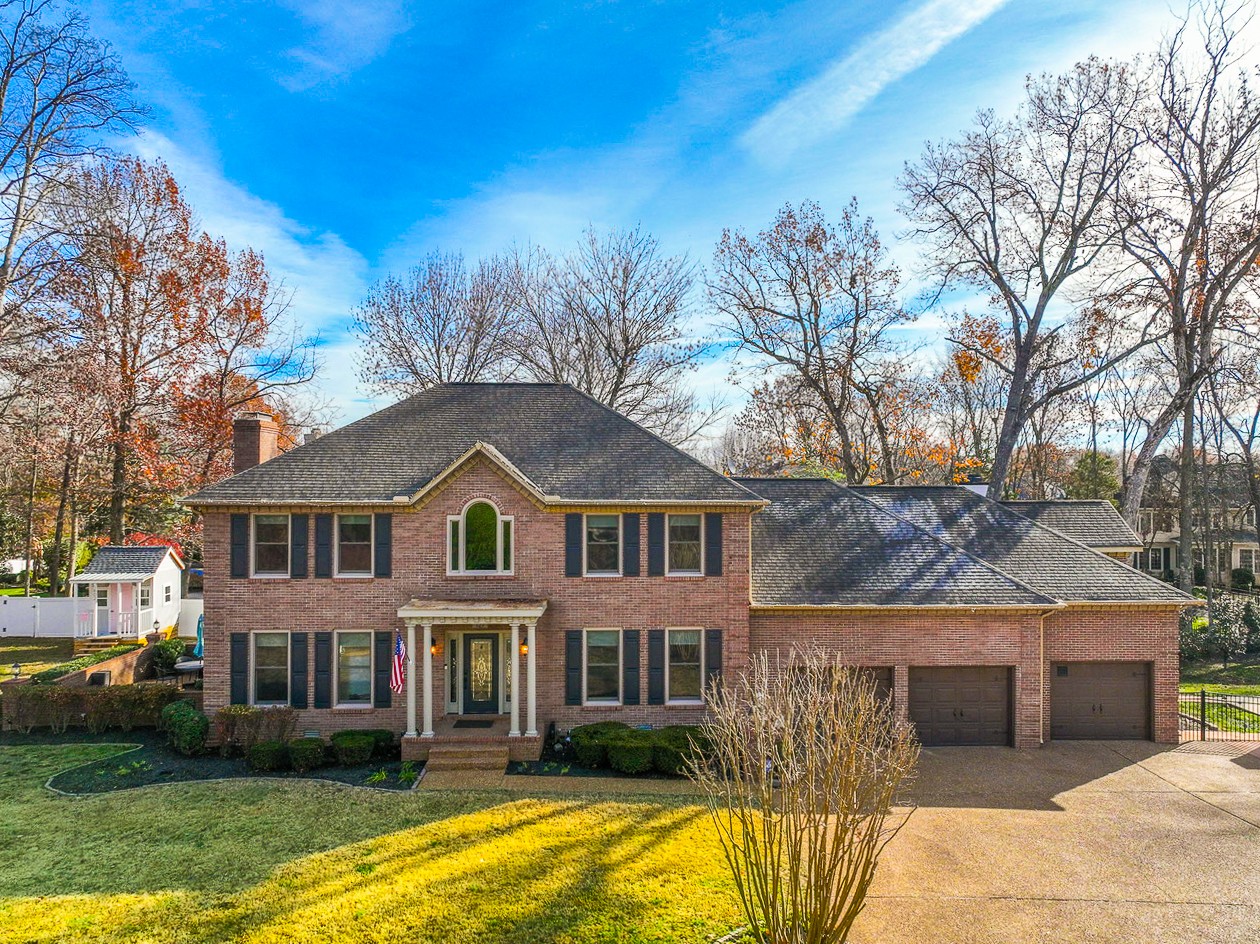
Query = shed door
x=1100 y=700
x=961 y=704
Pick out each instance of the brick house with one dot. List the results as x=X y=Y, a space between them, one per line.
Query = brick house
x=548 y=562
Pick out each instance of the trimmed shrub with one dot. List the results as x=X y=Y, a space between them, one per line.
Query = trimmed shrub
x=266 y=756
x=590 y=742
x=83 y=662
x=353 y=747
x=385 y=745
x=674 y=746
x=165 y=653
x=236 y=728
x=1240 y=578
x=630 y=752
x=186 y=728
x=306 y=753
x=276 y=723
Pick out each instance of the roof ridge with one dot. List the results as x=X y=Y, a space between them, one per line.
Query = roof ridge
x=950 y=544
x=1111 y=561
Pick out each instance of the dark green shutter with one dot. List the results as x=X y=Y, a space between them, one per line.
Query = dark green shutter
x=382 y=564
x=630 y=667
x=297 y=667
x=656 y=666
x=630 y=545
x=323 y=670
x=573 y=545
x=238 y=668
x=573 y=667
x=656 y=544
x=299 y=527
x=384 y=663
x=712 y=658
x=240 y=546
x=713 y=545
x=323 y=546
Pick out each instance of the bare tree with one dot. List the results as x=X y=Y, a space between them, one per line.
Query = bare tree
x=1192 y=222
x=441 y=323
x=611 y=318
x=806 y=763
x=61 y=93
x=820 y=300
x=1021 y=210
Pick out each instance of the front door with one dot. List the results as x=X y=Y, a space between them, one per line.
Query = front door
x=481 y=674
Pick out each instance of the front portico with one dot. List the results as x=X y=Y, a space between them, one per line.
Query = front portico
x=481 y=644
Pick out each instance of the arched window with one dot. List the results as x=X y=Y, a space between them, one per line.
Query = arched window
x=480 y=540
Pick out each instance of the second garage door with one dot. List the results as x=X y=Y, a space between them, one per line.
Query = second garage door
x=1100 y=700
x=961 y=704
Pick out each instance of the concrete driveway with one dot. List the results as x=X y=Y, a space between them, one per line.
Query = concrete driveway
x=1076 y=842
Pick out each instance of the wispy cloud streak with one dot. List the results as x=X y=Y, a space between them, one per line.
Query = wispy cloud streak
x=826 y=103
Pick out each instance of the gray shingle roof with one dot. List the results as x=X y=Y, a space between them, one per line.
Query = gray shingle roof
x=569 y=445
x=121 y=563
x=1093 y=523
x=819 y=544
x=1043 y=558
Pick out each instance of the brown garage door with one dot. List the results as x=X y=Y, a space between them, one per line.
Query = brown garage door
x=1100 y=700
x=961 y=704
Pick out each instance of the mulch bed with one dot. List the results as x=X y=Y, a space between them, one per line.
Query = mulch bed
x=153 y=762
x=560 y=763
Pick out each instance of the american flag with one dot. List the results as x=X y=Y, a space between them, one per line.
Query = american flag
x=399 y=673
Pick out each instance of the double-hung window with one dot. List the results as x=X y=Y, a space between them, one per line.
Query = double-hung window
x=166 y=593
x=686 y=545
x=684 y=665
x=354 y=669
x=354 y=545
x=603 y=545
x=271 y=668
x=602 y=669
x=146 y=595
x=271 y=545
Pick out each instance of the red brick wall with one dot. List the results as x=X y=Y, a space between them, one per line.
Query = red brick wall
x=419 y=570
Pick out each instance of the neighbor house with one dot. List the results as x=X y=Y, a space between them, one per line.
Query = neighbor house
x=548 y=562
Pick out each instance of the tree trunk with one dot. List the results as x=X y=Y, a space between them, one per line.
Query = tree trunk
x=118 y=480
x=1013 y=417
x=1185 y=502
x=30 y=507
x=63 y=499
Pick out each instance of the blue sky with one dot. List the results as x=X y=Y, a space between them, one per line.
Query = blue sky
x=346 y=139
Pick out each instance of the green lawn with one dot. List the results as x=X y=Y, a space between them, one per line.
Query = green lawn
x=1236 y=678
x=272 y=863
x=34 y=655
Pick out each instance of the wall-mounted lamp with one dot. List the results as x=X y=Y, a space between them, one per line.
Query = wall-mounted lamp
x=435 y=649
x=524 y=648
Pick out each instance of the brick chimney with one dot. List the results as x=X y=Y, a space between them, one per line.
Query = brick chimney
x=254 y=440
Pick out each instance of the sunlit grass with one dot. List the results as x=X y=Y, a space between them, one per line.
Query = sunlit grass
x=285 y=862
x=34 y=655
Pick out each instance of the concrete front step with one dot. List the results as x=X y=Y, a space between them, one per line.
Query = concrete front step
x=467 y=757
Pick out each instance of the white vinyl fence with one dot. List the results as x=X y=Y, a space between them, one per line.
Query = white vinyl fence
x=44 y=616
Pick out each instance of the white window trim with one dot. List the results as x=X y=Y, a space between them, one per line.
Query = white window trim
x=621 y=668
x=253 y=668
x=669 y=572
x=699 y=700
x=621 y=544
x=167 y=596
x=357 y=574
x=452 y=571
x=336 y=670
x=253 y=546
x=145 y=585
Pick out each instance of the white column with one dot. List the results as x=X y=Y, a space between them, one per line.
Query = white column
x=411 y=679
x=514 y=653
x=531 y=717
x=427 y=655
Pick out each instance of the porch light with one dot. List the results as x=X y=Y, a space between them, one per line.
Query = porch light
x=435 y=649
x=524 y=648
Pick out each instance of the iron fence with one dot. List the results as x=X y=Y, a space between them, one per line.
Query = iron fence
x=1216 y=716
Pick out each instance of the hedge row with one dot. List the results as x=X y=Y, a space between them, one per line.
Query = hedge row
x=58 y=707
x=348 y=749
x=635 y=751
x=84 y=662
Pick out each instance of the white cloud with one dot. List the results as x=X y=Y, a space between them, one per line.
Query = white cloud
x=345 y=37
x=825 y=104
x=324 y=275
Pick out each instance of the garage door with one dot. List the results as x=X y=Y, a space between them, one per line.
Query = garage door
x=1100 y=700
x=964 y=704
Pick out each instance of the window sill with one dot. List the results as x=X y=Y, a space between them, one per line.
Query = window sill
x=271 y=577
x=490 y=574
x=352 y=708
x=353 y=576
x=602 y=576
x=685 y=576
x=600 y=705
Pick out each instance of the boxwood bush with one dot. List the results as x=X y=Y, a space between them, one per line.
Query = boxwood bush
x=631 y=752
x=266 y=756
x=306 y=753
x=674 y=746
x=635 y=751
x=590 y=742
x=186 y=727
x=353 y=747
